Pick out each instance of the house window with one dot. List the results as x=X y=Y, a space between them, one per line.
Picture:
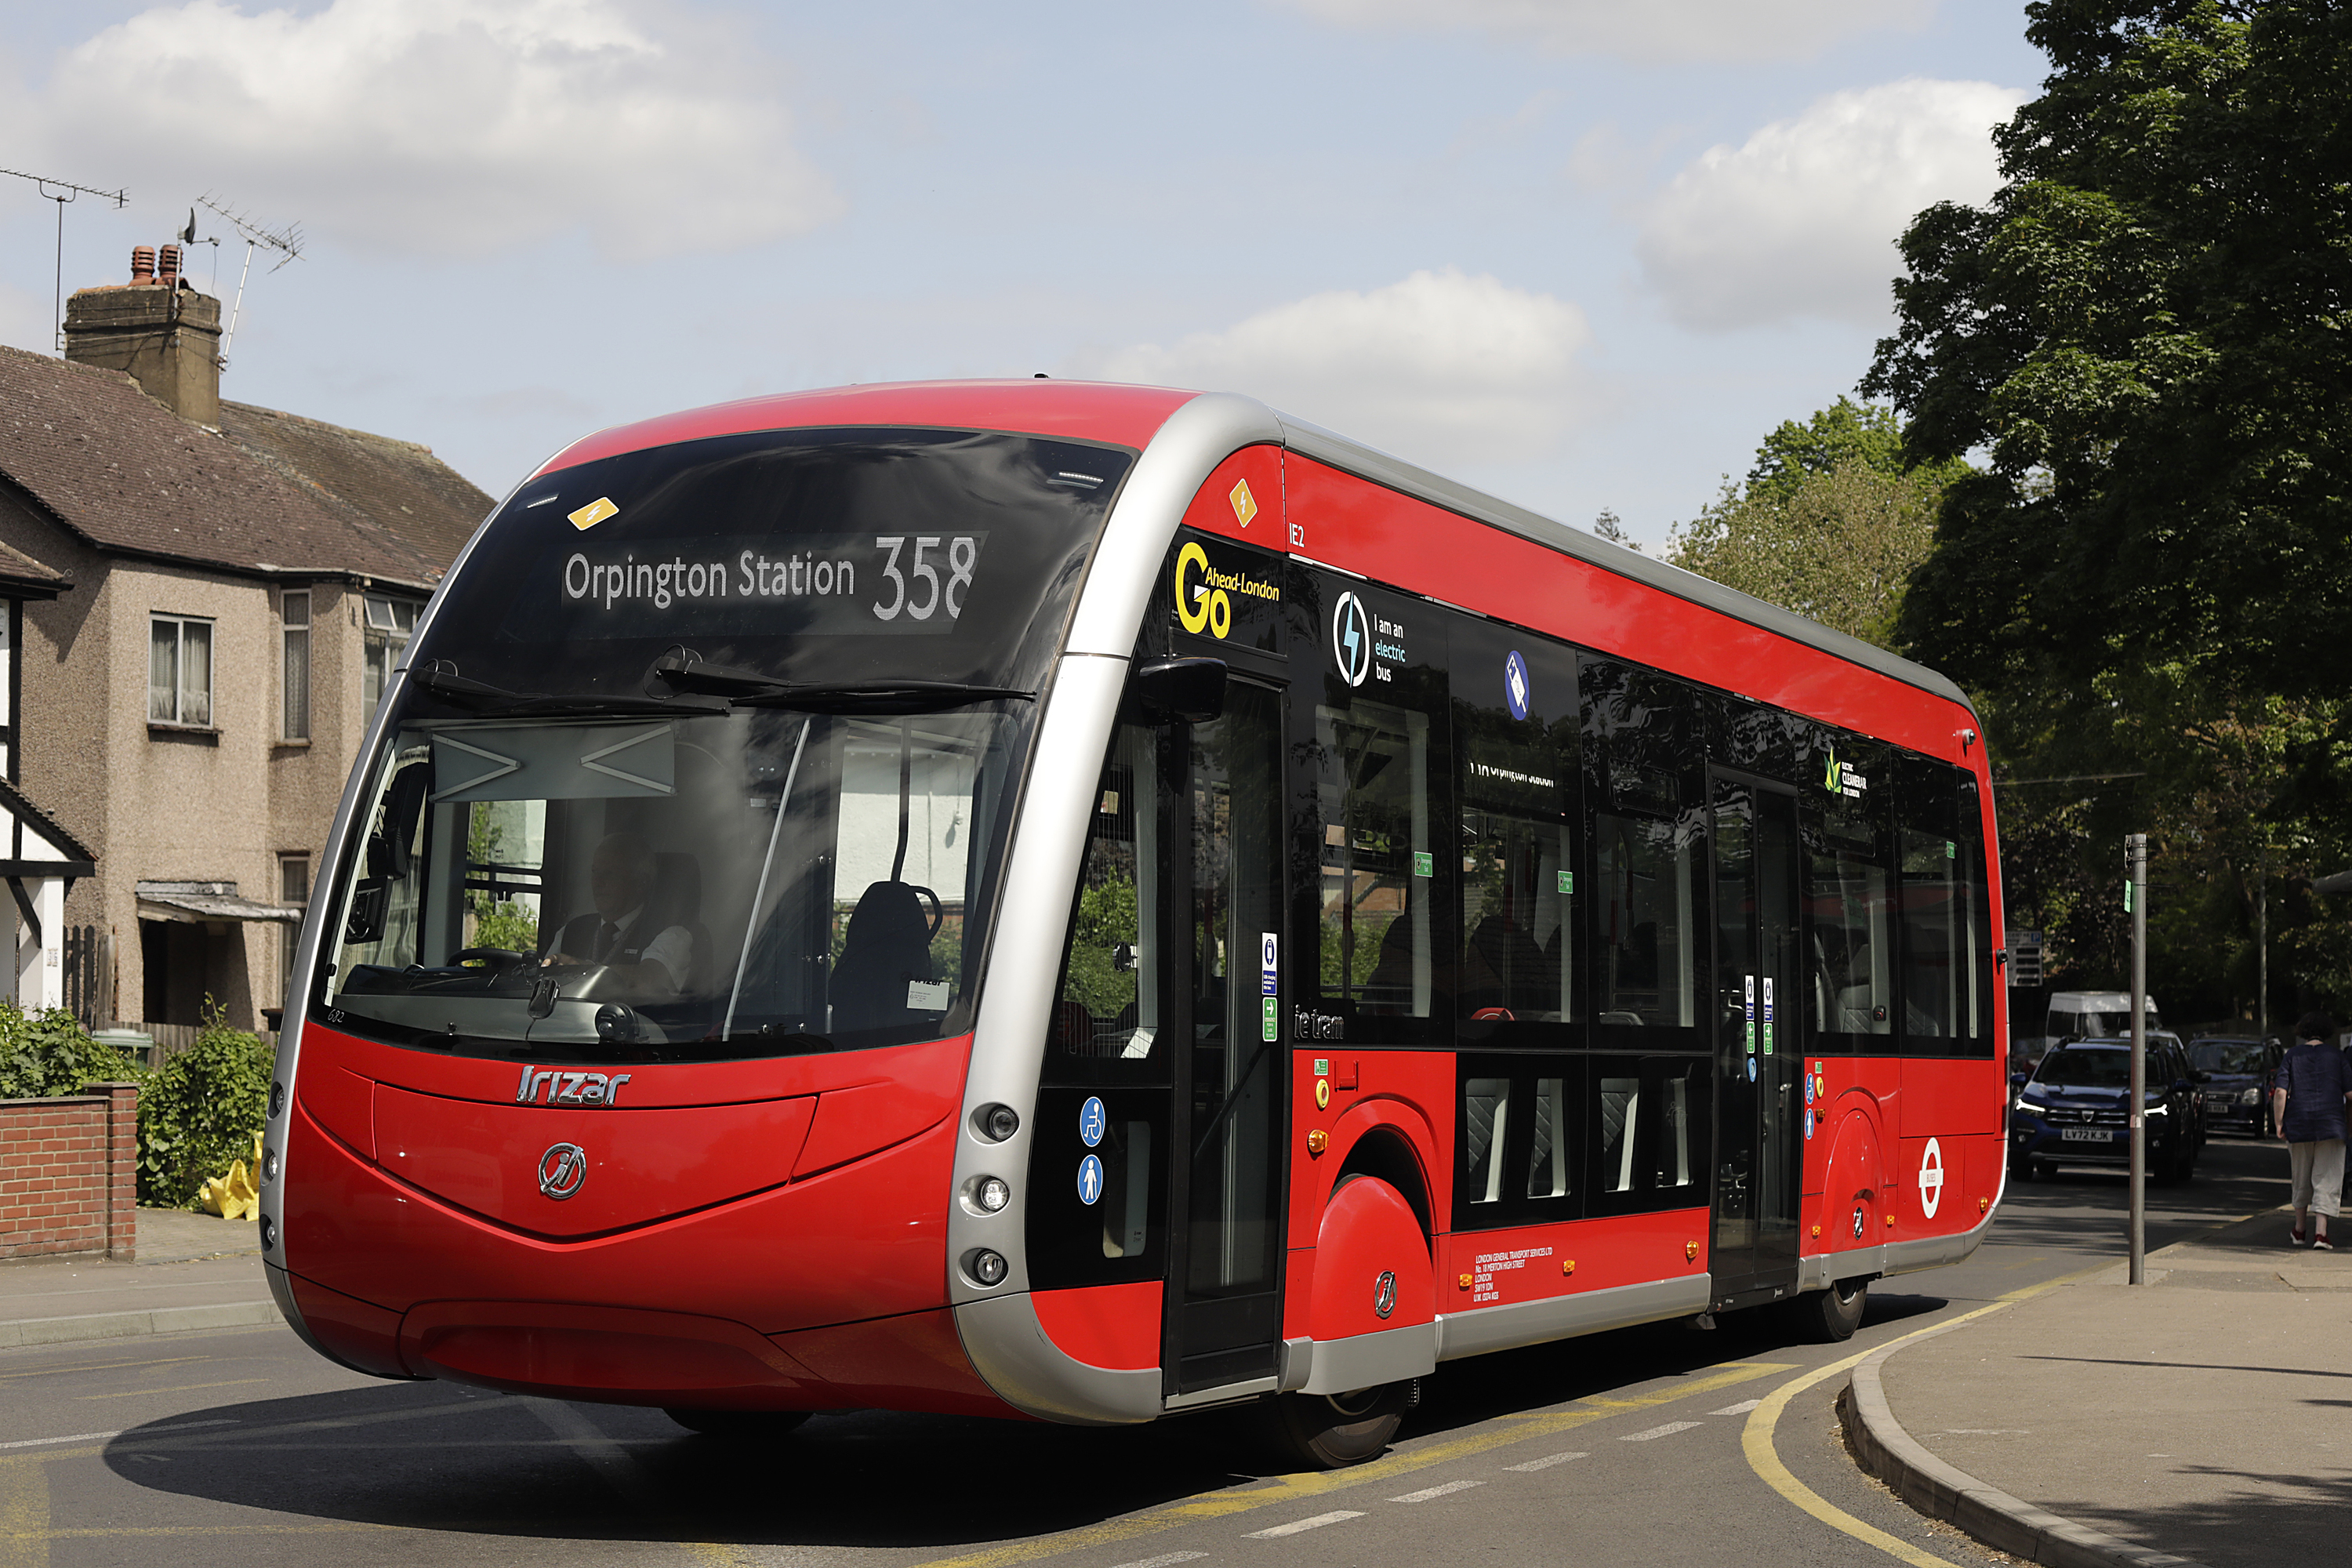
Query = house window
x=294 y=613
x=293 y=878
x=179 y=671
x=390 y=624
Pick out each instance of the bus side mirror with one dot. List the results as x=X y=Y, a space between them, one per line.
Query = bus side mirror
x=370 y=901
x=1181 y=690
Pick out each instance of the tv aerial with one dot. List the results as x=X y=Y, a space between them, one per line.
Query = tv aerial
x=286 y=241
x=62 y=191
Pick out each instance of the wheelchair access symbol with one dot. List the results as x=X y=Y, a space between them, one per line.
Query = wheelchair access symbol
x=1091 y=1121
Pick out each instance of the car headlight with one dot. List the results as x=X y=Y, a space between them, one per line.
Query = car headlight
x=2159 y=1109
x=2028 y=1106
x=2251 y=1097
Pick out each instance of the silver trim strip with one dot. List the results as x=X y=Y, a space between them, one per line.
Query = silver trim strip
x=1367 y=1361
x=1297 y=1365
x=1328 y=447
x=1521 y=1324
x=1935 y=1251
x=1032 y=915
x=1225 y=1393
x=1008 y=1347
x=1825 y=1270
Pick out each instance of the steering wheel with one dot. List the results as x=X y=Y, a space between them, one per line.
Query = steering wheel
x=938 y=911
x=497 y=958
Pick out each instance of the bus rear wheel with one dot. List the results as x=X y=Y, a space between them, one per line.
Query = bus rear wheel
x=1828 y=1316
x=739 y=1425
x=1332 y=1431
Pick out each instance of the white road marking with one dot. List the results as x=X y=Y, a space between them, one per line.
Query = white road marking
x=1165 y=1560
x=1668 y=1430
x=1549 y=1460
x=102 y=1436
x=1742 y=1408
x=1428 y=1493
x=1297 y=1525
x=615 y=1464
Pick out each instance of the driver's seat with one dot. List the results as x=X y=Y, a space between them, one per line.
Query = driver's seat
x=887 y=948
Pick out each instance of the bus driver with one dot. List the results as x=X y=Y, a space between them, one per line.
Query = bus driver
x=643 y=959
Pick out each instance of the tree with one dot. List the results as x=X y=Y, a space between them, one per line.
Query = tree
x=2146 y=329
x=1829 y=521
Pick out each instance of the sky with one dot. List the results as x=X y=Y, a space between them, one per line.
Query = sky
x=1582 y=254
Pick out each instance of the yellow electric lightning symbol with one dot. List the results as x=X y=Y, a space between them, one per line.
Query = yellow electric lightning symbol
x=595 y=512
x=1244 y=503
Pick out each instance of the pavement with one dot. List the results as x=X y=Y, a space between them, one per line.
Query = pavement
x=2196 y=1418
x=193 y=1271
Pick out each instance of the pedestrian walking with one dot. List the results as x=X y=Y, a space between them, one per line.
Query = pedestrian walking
x=2308 y=1105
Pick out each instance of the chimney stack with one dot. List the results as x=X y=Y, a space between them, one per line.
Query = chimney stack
x=158 y=328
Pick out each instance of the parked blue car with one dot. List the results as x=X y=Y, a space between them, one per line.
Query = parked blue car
x=2071 y=1110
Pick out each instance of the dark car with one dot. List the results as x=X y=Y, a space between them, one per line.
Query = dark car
x=2071 y=1111
x=2237 y=1073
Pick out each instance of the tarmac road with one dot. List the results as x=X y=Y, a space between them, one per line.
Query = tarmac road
x=240 y=1448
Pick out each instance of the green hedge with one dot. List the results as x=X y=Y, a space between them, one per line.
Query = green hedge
x=200 y=1111
x=49 y=1053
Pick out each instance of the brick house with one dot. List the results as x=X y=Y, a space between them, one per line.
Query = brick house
x=203 y=602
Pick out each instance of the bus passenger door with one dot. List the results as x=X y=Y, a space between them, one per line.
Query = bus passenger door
x=1223 y=1321
x=1758 y=1046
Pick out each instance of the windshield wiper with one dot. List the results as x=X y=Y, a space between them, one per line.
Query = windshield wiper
x=443 y=681
x=679 y=671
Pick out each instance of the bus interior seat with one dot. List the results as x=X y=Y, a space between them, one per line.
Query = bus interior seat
x=886 y=946
x=676 y=900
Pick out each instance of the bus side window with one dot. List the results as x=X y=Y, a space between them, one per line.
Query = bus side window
x=1976 y=903
x=1109 y=1004
x=1515 y=749
x=1935 y=931
x=1648 y=828
x=1386 y=883
x=1520 y=1139
x=1850 y=936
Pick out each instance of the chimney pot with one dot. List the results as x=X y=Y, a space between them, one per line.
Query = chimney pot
x=142 y=264
x=169 y=264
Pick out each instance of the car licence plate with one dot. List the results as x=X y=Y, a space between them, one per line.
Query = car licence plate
x=2086 y=1134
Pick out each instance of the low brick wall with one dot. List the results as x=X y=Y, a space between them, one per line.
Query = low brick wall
x=70 y=1173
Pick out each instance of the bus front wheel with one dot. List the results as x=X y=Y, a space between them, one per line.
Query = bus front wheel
x=739 y=1425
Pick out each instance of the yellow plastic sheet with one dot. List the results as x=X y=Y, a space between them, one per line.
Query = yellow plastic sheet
x=237 y=1195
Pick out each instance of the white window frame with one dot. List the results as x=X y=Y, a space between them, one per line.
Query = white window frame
x=294 y=615
x=384 y=637
x=180 y=717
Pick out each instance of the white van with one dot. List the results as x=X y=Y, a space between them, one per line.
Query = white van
x=2094 y=1015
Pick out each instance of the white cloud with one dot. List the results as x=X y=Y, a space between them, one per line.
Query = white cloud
x=442 y=126
x=1804 y=218
x=1442 y=367
x=1647 y=31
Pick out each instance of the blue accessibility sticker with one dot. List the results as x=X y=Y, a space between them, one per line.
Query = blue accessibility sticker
x=1090 y=1179
x=1091 y=1121
x=1809 y=1124
x=1751 y=1069
x=1516 y=687
x=1809 y=1089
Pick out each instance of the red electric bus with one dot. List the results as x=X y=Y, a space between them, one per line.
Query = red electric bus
x=1086 y=902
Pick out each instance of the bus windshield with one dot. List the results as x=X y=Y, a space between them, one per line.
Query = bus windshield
x=709 y=750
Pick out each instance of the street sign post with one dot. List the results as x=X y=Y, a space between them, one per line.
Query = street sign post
x=2135 y=904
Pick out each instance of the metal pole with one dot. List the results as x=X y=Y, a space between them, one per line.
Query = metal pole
x=2262 y=943
x=2135 y=900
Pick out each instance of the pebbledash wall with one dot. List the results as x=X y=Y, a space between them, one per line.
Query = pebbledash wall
x=70 y=1173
